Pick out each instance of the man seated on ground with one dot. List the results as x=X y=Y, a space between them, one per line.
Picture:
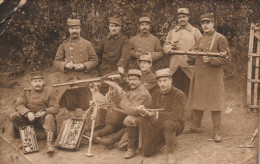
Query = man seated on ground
x=159 y=127
x=137 y=95
x=37 y=106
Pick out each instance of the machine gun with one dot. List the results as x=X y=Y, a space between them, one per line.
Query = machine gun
x=198 y=53
x=90 y=82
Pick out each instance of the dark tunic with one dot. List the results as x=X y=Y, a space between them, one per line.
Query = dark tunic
x=207 y=85
x=151 y=131
x=113 y=53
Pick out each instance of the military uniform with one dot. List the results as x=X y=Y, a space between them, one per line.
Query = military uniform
x=154 y=133
x=128 y=102
x=77 y=51
x=144 y=43
x=207 y=85
x=35 y=101
x=113 y=51
x=185 y=38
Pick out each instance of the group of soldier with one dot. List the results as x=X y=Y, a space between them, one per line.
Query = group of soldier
x=168 y=89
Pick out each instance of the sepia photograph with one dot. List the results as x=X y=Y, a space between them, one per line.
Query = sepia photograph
x=129 y=81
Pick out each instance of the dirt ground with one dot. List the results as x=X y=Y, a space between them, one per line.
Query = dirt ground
x=238 y=126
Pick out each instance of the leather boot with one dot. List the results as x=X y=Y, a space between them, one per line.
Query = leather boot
x=132 y=136
x=217 y=136
x=50 y=148
x=106 y=141
x=170 y=140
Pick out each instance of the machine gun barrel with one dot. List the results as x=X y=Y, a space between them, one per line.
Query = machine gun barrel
x=197 y=53
x=112 y=76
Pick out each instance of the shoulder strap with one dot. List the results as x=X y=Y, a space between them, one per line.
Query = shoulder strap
x=212 y=41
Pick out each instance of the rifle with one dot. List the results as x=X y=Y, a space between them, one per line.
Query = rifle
x=197 y=53
x=82 y=83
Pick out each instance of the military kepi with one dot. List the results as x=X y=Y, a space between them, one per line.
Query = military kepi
x=73 y=22
x=163 y=73
x=115 y=21
x=36 y=75
x=147 y=58
x=207 y=17
x=144 y=19
x=135 y=72
x=183 y=11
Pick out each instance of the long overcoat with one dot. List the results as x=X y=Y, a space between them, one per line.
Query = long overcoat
x=207 y=90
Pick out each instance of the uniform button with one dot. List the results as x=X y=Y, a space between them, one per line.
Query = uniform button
x=209 y=42
x=71 y=56
x=80 y=50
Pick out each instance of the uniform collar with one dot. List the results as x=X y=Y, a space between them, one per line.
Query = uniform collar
x=187 y=27
x=113 y=36
x=210 y=33
x=145 y=35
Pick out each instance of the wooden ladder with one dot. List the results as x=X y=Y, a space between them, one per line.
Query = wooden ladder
x=253 y=95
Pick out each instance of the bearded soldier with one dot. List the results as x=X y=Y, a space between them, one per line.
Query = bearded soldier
x=207 y=86
x=37 y=106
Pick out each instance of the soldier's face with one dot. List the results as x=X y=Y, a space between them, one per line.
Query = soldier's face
x=207 y=26
x=74 y=32
x=144 y=27
x=133 y=81
x=37 y=84
x=165 y=83
x=183 y=19
x=145 y=66
x=114 y=28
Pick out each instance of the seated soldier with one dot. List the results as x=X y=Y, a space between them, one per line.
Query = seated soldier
x=37 y=106
x=159 y=127
x=137 y=95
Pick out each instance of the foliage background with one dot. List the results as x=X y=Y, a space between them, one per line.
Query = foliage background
x=39 y=27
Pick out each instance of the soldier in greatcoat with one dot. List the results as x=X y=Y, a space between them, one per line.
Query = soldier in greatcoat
x=183 y=37
x=207 y=85
x=144 y=43
x=37 y=106
x=76 y=59
x=159 y=127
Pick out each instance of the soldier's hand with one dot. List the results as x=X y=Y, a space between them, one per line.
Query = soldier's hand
x=205 y=59
x=69 y=65
x=79 y=67
x=40 y=113
x=30 y=116
x=121 y=70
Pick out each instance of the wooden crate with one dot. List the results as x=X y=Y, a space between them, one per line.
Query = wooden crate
x=253 y=89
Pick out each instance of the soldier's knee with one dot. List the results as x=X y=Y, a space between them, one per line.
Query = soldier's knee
x=169 y=125
x=129 y=121
x=49 y=117
x=13 y=116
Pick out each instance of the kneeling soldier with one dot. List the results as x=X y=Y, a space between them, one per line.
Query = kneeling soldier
x=37 y=106
x=159 y=128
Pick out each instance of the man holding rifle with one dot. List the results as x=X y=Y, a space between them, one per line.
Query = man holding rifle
x=158 y=127
x=207 y=86
x=37 y=106
x=183 y=37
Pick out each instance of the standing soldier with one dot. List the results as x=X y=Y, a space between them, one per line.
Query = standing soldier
x=183 y=37
x=158 y=127
x=207 y=86
x=144 y=43
x=37 y=106
x=114 y=50
x=76 y=58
